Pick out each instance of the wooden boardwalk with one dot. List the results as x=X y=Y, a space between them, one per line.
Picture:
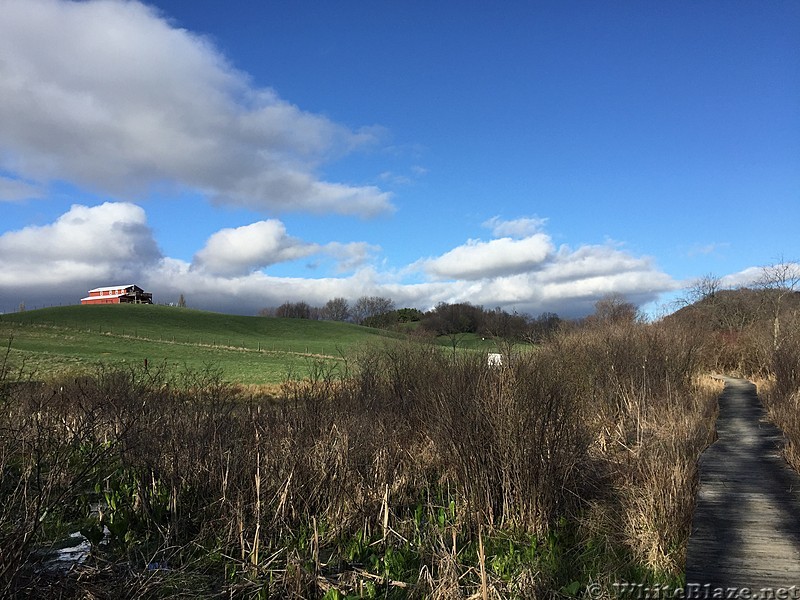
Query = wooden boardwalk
x=746 y=525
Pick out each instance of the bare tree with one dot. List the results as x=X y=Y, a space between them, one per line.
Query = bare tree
x=371 y=306
x=336 y=309
x=703 y=302
x=294 y=310
x=613 y=308
x=778 y=281
x=735 y=312
x=703 y=288
x=542 y=327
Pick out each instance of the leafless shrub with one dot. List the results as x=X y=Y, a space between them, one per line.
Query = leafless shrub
x=650 y=420
x=781 y=395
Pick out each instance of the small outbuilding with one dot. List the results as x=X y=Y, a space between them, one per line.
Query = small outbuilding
x=118 y=294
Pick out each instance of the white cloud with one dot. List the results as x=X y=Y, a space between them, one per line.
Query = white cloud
x=707 y=249
x=239 y=251
x=288 y=189
x=415 y=173
x=350 y=256
x=242 y=250
x=594 y=272
x=592 y=261
x=481 y=260
x=108 y=95
x=745 y=278
x=83 y=248
x=516 y=228
x=12 y=190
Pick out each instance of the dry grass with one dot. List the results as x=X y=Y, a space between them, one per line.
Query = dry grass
x=411 y=472
x=655 y=420
x=781 y=395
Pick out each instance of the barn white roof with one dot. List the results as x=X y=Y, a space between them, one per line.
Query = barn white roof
x=109 y=288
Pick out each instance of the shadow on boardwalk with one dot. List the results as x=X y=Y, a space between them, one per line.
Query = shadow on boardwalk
x=746 y=525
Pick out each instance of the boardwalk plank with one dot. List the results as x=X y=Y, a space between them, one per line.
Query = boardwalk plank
x=746 y=523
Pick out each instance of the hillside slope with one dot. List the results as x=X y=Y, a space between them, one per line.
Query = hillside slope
x=247 y=349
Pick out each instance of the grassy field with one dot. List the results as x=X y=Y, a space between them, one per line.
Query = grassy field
x=248 y=350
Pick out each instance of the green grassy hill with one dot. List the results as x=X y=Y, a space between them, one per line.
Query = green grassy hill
x=253 y=350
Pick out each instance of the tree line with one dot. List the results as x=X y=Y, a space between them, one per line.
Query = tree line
x=445 y=319
x=335 y=309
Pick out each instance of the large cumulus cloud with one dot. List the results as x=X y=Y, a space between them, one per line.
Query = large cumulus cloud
x=479 y=259
x=109 y=95
x=238 y=251
x=84 y=246
x=242 y=250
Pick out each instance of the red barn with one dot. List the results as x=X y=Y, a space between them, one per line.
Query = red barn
x=118 y=294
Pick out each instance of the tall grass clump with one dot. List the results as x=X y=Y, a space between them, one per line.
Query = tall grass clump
x=405 y=471
x=512 y=440
x=781 y=394
x=651 y=418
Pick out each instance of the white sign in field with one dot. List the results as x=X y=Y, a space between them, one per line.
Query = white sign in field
x=494 y=359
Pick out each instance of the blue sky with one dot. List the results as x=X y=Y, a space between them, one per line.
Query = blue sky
x=534 y=156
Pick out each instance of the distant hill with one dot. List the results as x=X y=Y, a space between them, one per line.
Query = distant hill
x=737 y=330
x=164 y=322
x=736 y=310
